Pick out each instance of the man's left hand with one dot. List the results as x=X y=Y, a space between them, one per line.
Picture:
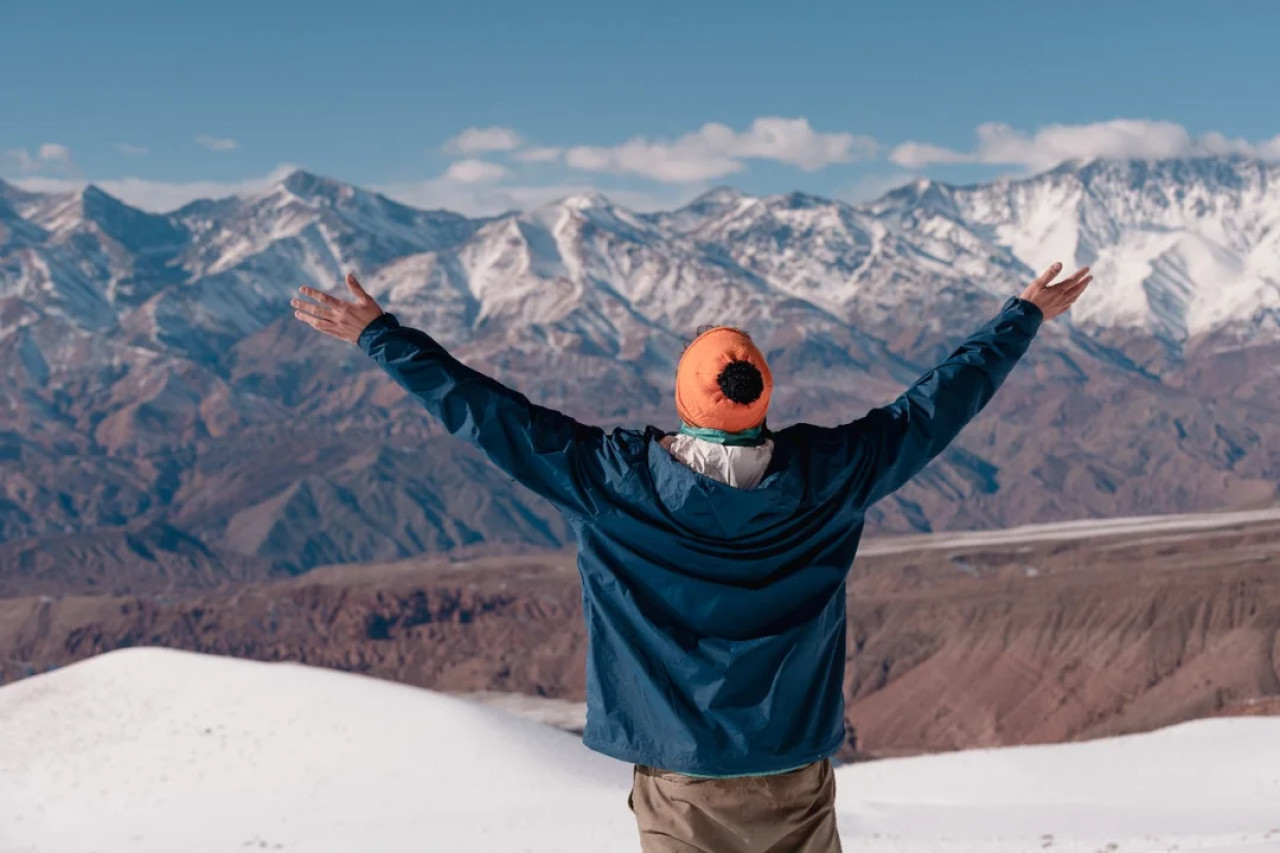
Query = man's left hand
x=1053 y=298
x=335 y=317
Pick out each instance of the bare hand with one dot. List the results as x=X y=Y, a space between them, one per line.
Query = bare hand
x=331 y=315
x=1053 y=299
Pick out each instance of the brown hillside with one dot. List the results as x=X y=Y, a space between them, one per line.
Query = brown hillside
x=954 y=641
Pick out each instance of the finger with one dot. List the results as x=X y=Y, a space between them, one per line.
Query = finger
x=1069 y=297
x=320 y=296
x=315 y=322
x=310 y=308
x=1074 y=292
x=1073 y=278
x=1046 y=277
x=357 y=289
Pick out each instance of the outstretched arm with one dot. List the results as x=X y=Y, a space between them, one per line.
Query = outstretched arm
x=546 y=451
x=890 y=445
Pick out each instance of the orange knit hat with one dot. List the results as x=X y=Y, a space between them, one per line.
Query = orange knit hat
x=723 y=382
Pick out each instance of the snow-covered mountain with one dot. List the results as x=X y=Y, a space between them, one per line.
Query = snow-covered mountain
x=159 y=381
x=154 y=750
x=1185 y=247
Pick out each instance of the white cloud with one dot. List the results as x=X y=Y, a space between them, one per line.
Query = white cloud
x=794 y=141
x=50 y=156
x=456 y=189
x=542 y=154
x=477 y=140
x=1119 y=138
x=159 y=196
x=135 y=150
x=470 y=187
x=716 y=150
x=475 y=172
x=915 y=154
x=214 y=143
x=52 y=152
x=18 y=160
x=470 y=198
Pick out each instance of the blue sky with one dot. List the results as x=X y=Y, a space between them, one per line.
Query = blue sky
x=650 y=102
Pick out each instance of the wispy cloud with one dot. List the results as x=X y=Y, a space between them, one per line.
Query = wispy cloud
x=49 y=157
x=450 y=191
x=541 y=154
x=478 y=140
x=1001 y=144
x=475 y=188
x=676 y=169
x=18 y=160
x=131 y=149
x=52 y=152
x=716 y=150
x=215 y=143
x=476 y=172
x=161 y=196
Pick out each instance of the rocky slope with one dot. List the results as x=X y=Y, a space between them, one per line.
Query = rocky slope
x=1037 y=635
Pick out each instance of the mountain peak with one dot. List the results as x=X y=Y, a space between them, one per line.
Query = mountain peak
x=1168 y=178
x=585 y=200
x=131 y=227
x=720 y=195
x=93 y=196
x=921 y=193
x=797 y=200
x=306 y=184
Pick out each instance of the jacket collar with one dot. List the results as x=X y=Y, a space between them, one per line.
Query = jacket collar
x=715 y=510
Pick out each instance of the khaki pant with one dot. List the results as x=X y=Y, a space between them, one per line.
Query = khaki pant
x=788 y=813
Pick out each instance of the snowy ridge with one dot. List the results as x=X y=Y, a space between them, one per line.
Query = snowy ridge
x=1185 y=246
x=1180 y=248
x=153 y=750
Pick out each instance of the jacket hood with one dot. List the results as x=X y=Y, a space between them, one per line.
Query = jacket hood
x=709 y=509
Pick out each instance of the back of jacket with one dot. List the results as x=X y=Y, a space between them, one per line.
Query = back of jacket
x=715 y=615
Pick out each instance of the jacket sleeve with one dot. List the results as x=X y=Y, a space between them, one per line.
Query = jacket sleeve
x=891 y=444
x=548 y=452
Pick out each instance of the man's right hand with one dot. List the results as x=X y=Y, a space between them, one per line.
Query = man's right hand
x=1053 y=299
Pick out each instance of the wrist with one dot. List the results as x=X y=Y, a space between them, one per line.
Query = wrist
x=1030 y=306
x=385 y=320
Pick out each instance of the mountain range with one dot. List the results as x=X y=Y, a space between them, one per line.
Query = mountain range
x=166 y=423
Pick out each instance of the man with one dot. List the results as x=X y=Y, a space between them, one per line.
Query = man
x=713 y=560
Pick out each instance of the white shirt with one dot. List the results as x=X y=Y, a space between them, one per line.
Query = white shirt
x=738 y=466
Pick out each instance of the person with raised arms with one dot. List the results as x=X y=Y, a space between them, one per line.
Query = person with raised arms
x=713 y=559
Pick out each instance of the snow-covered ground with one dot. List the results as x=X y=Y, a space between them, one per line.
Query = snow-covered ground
x=561 y=713
x=151 y=750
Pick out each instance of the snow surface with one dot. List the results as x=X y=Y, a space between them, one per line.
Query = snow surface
x=156 y=750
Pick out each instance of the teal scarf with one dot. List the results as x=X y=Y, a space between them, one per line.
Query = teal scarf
x=747 y=438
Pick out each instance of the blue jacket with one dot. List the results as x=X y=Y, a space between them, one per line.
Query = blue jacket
x=715 y=616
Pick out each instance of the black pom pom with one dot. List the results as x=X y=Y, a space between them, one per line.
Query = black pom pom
x=741 y=382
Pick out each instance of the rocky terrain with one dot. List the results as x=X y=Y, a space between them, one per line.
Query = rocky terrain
x=1041 y=634
x=166 y=426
